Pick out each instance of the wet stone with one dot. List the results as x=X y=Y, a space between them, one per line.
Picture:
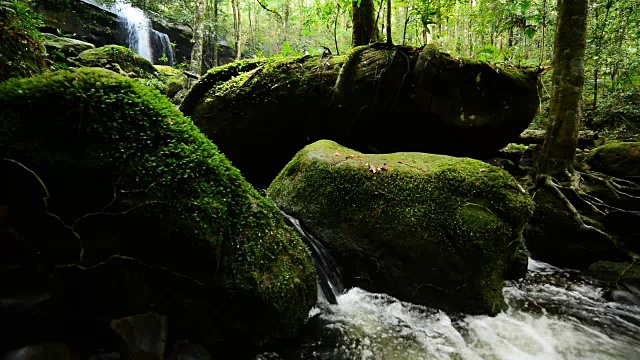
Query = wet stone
x=144 y=337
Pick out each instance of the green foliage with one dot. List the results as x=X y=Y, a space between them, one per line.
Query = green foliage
x=21 y=52
x=21 y=17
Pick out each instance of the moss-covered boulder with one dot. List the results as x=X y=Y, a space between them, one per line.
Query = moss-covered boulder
x=621 y=159
x=119 y=59
x=430 y=229
x=127 y=175
x=21 y=53
x=174 y=79
x=616 y=272
x=375 y=99
x=60 y=48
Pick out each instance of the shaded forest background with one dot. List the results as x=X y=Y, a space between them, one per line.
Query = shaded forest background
x=513 y=32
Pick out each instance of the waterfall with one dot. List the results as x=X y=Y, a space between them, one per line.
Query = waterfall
x=139 y=35
x=162 y=46
x=329 y=283
x=138 y=29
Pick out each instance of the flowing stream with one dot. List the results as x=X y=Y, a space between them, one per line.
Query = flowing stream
x=552 y=314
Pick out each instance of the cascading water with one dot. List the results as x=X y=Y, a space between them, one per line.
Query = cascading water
x=162 y=45
x=138 y=32
x=552 y=314
x=329 y=282
x=138 y=29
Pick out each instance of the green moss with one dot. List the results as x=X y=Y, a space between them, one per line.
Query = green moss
x=167 y=70
x=620 y=159
x=127 y=60
x=173 y=79
x=515 y=147
x=59 y=48
x=616 y=272
x=103 y=132
x=414 y=203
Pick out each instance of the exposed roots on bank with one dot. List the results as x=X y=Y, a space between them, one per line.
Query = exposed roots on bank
x=573 y=196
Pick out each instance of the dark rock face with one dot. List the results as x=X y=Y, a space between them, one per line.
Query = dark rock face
x=83 y=21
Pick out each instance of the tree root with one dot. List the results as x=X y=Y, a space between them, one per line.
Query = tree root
x=552 y=185
x=619 y=187
x=342 y=82
x=590 y=202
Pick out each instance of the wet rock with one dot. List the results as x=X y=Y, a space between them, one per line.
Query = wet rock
x=616 y=272
x=430 y=229
x=60 y=48
x=44 y=351
x=621 y=159
x=106 y=356
x=144 y=336
x=622 y=297
x=189 y=352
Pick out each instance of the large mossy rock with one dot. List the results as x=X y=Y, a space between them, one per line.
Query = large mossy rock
x=21 y=54
x=118 y=59
x=430 y=229
x=374 y=99
x=621 y=159
x=123 y=174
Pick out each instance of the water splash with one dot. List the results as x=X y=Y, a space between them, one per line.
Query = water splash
x=329 y=281
x=553 y=314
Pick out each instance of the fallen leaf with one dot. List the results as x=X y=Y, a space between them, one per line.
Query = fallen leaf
x=384 y=168
x=336 y=154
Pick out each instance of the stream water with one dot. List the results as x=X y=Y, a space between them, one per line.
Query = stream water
x=552 y=314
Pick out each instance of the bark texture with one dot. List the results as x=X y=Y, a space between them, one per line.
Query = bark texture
x=364 y=30
x=558 y=150
x=198 y=37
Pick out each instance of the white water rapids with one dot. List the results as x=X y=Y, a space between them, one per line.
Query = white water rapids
x=553 y=314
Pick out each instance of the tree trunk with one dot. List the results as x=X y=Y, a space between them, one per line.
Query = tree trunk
x=363 y=21
x=198 y=37
x=216 y=62
x=558 y=151
x=389 y=39
x=236 y=25
x=335 y=30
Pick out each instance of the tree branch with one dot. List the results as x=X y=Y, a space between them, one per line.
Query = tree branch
x=270 y=10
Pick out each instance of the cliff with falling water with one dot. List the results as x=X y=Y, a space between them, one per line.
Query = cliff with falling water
x=122 y=24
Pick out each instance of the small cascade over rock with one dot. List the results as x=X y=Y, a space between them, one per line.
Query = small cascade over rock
x=138 y=34
x=329 y=279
